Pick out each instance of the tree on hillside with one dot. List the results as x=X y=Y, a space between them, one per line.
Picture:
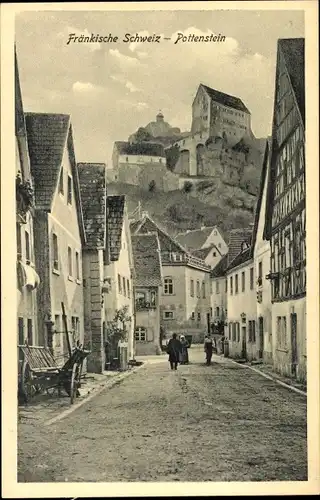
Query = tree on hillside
x=187 y=187
x=172 y=156
x=142 y=135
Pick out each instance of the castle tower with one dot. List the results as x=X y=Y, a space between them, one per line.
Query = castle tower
x=160 y=117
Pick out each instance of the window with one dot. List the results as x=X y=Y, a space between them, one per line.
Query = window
x=119 y=284
x=226 y=285
x=236 y=284
x=234 y=332
x=124 y=286
x=252 y=331
x=219 y=245
x=260 y=269
x=29 y=331
x=282 y=332
x=203 y=290
x=217 y=287
x=127 y=159
x=27 y=237
x=211 y=312
x=214 y=254
x=61 y=184
x=199 y=316
x=20 y=331
x=238 y=332
x=243 y=281
x=69 y=189
x=77 y=266
x=251 y=278
x=193 y=315
x=168 y=315
x=231 y=285
x=140 y=334
x=69 y=261
x=198 y=289
x=211 y=291
x=191 y=288
x=230 y=331
x=55 y=252
x=128 y=289
x=168 y=286
x=19 y=251
x=217 y=312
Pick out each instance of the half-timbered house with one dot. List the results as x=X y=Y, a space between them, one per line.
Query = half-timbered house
x=286 y=211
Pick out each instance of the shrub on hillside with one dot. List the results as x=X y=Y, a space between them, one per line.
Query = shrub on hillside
x=187 y=187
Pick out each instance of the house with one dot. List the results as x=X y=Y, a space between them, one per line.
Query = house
x=185 y=297
x=27 y=277
x=119 y=274
x=204 y=238
x=92 y=180
x=58 y=229
x=241 y=294
x=218 y=296
x=147 y=292
x=285 y=221
x=261 y=256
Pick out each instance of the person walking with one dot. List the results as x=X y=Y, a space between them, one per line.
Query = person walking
x=174 y=349
x=208 y=348
x=184 y=355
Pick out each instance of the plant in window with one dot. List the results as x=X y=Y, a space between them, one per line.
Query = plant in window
x=24 y=194
x=117 y=329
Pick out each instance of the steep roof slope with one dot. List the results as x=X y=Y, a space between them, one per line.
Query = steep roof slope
x=92 y=179
x=194 y=239
x=115 y=218
x=292 y=50
x=147 y=259
x=225 y=99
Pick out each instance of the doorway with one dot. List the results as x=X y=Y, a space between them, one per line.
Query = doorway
x=261 y=337
x=294 y=353
x=244 y=342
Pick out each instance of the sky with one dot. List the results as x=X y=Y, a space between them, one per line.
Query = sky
x=110 y=89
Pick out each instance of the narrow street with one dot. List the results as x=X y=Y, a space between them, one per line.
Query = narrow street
x=217 y=423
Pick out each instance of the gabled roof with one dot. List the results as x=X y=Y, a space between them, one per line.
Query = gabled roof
x=115 y=219
x=202 y=253
x=147 y=225
x=220 y=269
x=140 y=148
x=292 y=50
x=92 y=178
x=194 y=239
x=225 y=99
x=48 y=135
x=236 y=238
x=147 y=259
x=241 y=258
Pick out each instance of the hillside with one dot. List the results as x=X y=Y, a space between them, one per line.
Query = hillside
x=226 y=206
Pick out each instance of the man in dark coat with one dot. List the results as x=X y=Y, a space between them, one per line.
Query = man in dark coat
x=174 y=349
x=208 y=348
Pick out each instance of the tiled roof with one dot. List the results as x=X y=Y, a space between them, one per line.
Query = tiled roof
x=147 y=259
x=226 y=99
x=220 y=269
x=203 y=253
x=115 y=218
x=293 y=53
x=236 y=238
x=194 y=239
x=140 y=148
x=47 y=136
x=241 y=258
x=92 y=178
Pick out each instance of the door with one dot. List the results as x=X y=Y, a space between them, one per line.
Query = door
x=244 y=343
x=261 y=337
x=294 y=353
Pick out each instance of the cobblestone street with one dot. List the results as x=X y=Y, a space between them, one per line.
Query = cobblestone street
x=216 y=423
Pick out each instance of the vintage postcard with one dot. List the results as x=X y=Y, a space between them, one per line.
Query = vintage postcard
x=160 y=259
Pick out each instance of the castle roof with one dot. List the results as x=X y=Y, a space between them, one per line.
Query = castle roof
x=225 y=99
x=140 y=148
